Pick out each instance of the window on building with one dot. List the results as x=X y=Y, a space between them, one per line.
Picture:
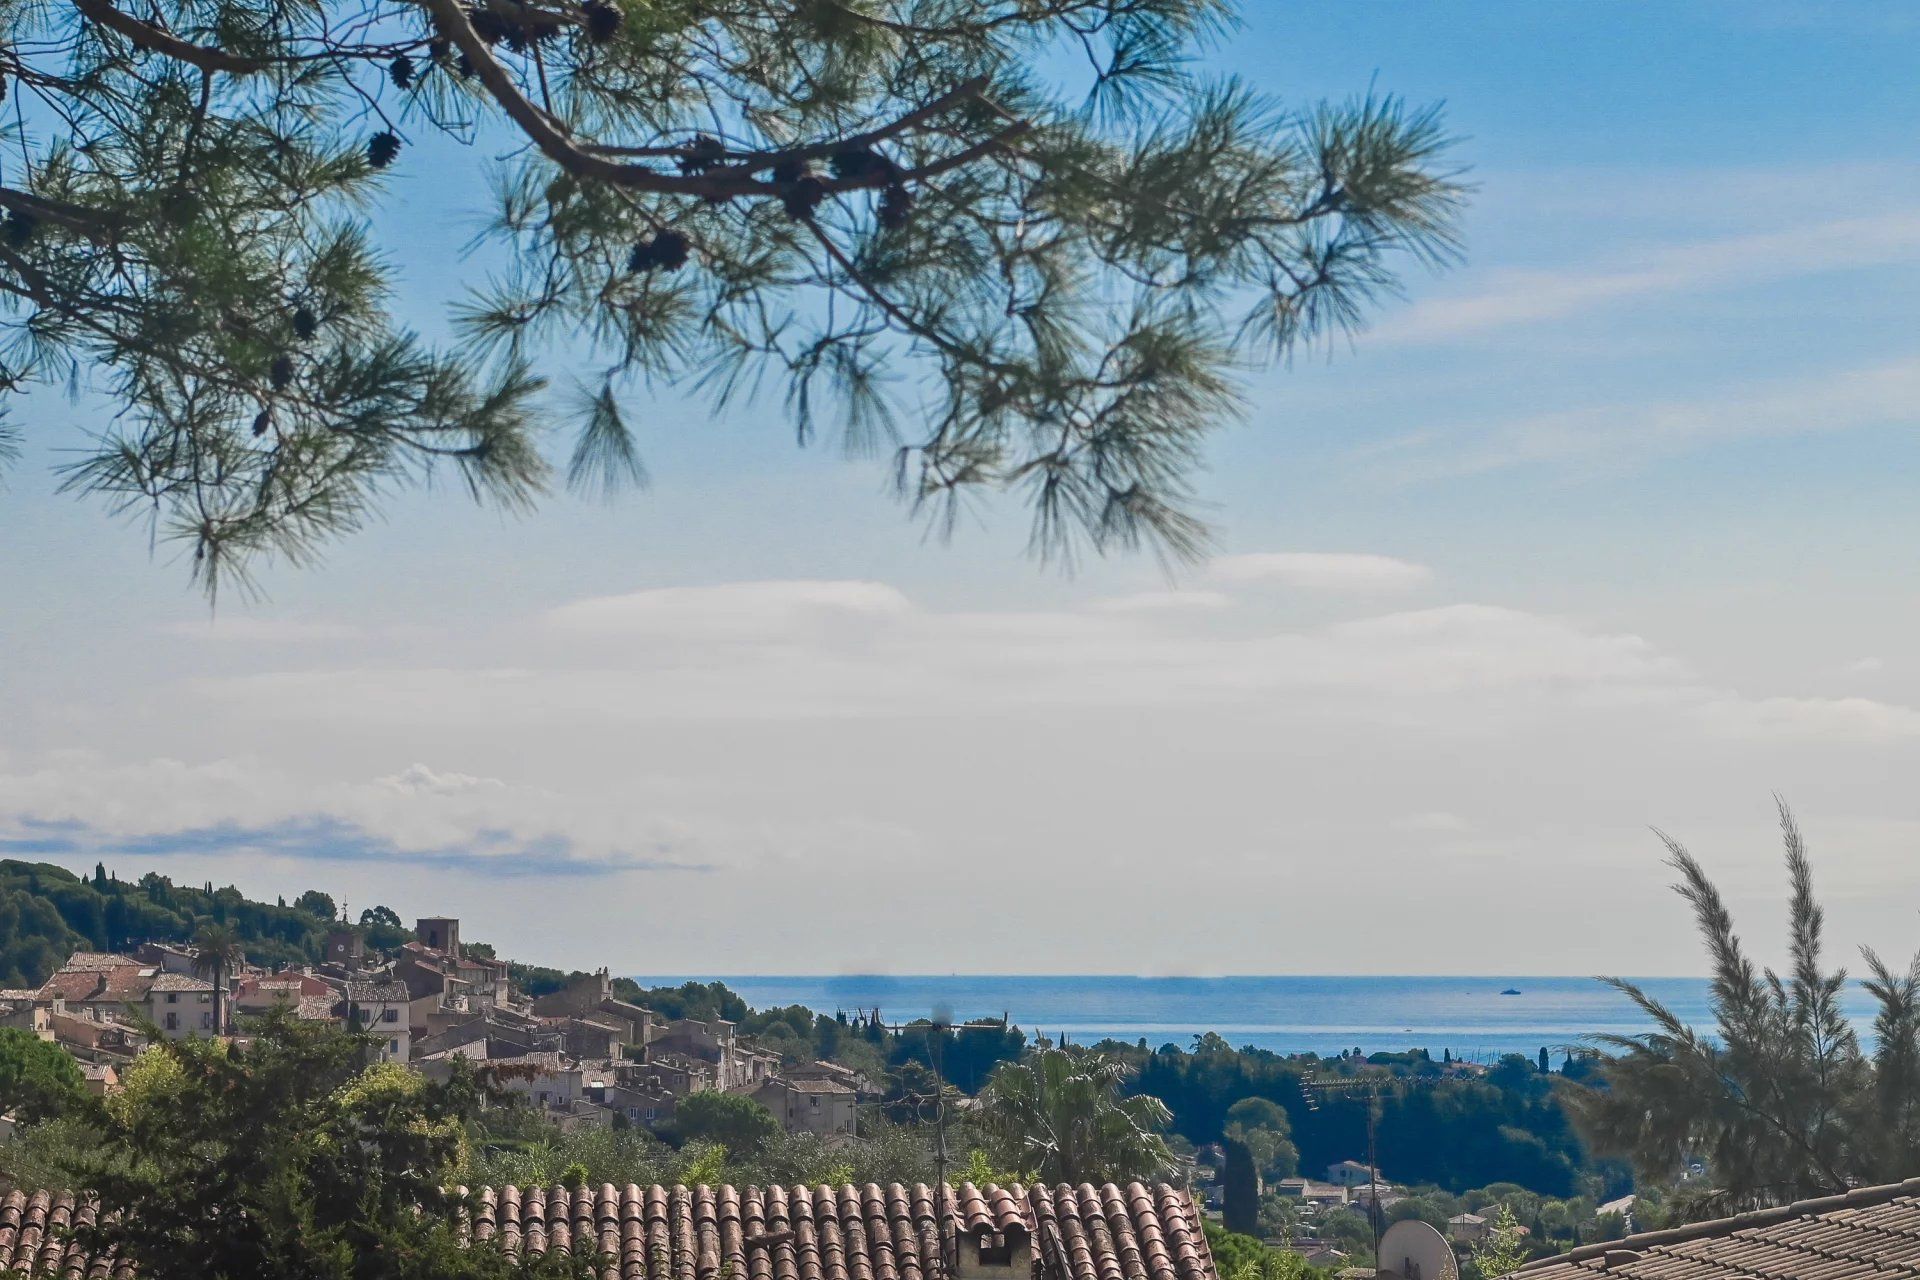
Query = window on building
x=206 y=1021
x=393 y=1047
x=172 y=998
x=173 y=1022
x=389 y=1015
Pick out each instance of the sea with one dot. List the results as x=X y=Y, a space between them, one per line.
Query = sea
x=1471 y=1017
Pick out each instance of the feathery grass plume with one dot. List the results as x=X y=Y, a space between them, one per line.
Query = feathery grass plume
x=1780 y=1101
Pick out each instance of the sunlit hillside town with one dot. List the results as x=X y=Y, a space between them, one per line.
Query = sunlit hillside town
x=579 y=1055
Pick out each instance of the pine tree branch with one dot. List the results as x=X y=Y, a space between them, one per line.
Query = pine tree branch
x=147 y=35
x=588 y=161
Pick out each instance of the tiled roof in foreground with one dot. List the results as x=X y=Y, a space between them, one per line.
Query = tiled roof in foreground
x=1870 y=1232
x=1136 y=1232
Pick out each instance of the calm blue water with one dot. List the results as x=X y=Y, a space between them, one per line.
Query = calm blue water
x=1287 y=1014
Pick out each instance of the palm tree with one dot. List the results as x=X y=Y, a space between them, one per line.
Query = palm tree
x=219 y=955
x=1780 y=1100
x=1062 y=1115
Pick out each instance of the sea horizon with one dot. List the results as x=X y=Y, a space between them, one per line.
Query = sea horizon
x=1470 y=1016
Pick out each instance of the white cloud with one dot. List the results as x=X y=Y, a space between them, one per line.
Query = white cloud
x=1514 y=298
x=750 y=607
x=1433 y=822
x=820 y=766
x=1163 y=602
x=1319 y=571
x=1815 y=719
x=1873 y=395
x=237 y=628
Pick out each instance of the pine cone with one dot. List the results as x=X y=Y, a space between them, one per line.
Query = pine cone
x=666 y=251
x=603 y=20
x=400 y=71
x=488 y=25
x=305 y=323
x=790 y=171
x=437 y=49
x=20 y=228
x=670 y=250
x=701 y=154
x=261 y=421
x=896 y=207
x=381 y=149
x=282 y=371
x=862 y=164
x=803 y=197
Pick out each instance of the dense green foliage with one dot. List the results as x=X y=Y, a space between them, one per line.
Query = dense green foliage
x=1780 y=1100
x=732 y=1120
x=1455 y=1131
x=1064 y=1115
x=289 y=1157
x=37 y=1079
x=519 y=1146
x=47 y=912
x=1237 y=1256
x=1019 y=244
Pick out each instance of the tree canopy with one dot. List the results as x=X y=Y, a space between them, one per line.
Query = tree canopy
x=286 y=1156
x=38 y=1079
x=1779 y=1099
x=1015 y=244
x=733 y=1120
x=1062 y=1115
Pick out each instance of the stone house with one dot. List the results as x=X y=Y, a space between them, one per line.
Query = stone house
x=104 y=988
x=823 y=1107
x=308 y=996
x=384 y=1011
x=23 y=1010
x=645 y=1104
x=180 y=1005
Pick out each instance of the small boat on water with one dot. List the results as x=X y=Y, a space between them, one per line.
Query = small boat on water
x=1511 y=991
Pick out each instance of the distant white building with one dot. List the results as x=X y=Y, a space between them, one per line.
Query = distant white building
x=382 y=1010
x=1349 y=1173
x=180 y=1006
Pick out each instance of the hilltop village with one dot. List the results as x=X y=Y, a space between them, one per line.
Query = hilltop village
x=581 y=1055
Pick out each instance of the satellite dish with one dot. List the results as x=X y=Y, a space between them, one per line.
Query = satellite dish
x=1413 y=1250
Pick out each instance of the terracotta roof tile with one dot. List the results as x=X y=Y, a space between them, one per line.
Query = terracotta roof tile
x=178 y=982
x=772 y=1233
x=1873 y=1231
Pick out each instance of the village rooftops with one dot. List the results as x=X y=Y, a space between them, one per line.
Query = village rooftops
x=1869 y=1232
x=1134 y=1232
x=119 y=983
x=377 y=992
x=95 y=961
x=813 y=1085
x=178 y=982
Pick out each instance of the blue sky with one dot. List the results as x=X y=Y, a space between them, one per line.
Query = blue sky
x=1611 y=525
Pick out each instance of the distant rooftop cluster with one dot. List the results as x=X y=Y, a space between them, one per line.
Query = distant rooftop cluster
x=582 y=1055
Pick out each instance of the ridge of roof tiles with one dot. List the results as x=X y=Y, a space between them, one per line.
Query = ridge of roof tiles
x=1136 y=1232
x=1869 y=1231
